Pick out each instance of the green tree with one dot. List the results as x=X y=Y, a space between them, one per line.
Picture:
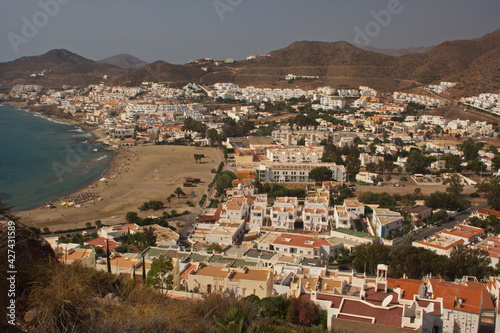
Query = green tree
x=132 y=217
x=415 y=262
x=213 y=135
x=368 y=256
x=320 y=174
x=196 y=126
x=275 y=307
x=453 y=163
x=496 y=162
x=469 y=261
x=447 y=201
x=455 y=185
x=476 y=165
x=88 y=225
x=224 y=181
x=159 y=275
x=490 y=187
x=198 y=157
x=214 y=247
x=371 y=167
x=179 y=192
x=470 y=149
x=416 y=162
x=352 y=162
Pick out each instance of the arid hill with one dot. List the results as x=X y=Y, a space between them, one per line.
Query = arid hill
x=394 y=52
x=474 y=64
x=161 y=71
x=60 y=67
x=125 y=61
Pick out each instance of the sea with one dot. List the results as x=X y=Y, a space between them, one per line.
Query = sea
x=44 y=159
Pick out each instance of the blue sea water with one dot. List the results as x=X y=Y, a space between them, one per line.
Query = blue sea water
x=43 y=159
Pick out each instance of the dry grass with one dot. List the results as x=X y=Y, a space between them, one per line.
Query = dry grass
x=71 y=298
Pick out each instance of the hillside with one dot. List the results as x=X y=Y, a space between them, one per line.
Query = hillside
x=161 y=71
x=125 y=61
x=474 y=64
x=51 y=297
x=394 y=52
x=60 y=67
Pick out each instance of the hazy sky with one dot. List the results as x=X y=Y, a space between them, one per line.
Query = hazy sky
x=178 y=31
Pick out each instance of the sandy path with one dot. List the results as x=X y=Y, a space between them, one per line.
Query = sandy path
x=131 y=181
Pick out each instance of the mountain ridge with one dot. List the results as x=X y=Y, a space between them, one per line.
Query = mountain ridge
x=125 y=61
x=472 y=63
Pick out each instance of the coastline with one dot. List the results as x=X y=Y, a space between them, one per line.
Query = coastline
x=97 y=136
x=134 y=175
x=137 y=174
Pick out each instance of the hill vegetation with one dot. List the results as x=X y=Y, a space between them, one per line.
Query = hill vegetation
x=473 y=63
x=61 y=68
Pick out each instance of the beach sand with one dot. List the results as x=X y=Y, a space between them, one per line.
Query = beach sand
x=136 y=174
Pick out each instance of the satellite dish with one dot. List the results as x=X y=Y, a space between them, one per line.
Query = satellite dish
x=387 y=300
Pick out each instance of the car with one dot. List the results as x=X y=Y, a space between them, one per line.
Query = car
x=437 y=224
x=446 y=220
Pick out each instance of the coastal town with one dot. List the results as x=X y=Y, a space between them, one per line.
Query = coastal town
x=321 y=194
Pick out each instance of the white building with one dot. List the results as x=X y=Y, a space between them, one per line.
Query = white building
x=284 y=212
x=386 y=222
x=297 y=172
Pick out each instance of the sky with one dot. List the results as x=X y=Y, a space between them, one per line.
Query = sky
x=179 y=31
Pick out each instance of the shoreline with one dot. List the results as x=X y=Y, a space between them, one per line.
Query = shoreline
x=97 y=133
x=133 y=175
x=137 y=174
x=97 y=137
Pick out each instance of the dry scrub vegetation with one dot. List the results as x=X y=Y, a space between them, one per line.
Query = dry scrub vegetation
x=71 y=298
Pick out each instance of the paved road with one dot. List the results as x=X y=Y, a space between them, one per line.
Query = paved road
x=431 y=230
x=189 y=220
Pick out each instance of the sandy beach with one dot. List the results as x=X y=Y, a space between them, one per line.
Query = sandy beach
x=136 y=174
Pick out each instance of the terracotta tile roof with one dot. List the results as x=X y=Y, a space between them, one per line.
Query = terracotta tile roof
x=391 y=316
x=301 y=241
x=489 y=212
x=101 y=242
x=336 y=300
x=464 y=231
x=190 y=267
x=409 y=286
x=467 y=298
x=491 y=246
x=132 y=226
x=425 y=303
x=376 y=297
